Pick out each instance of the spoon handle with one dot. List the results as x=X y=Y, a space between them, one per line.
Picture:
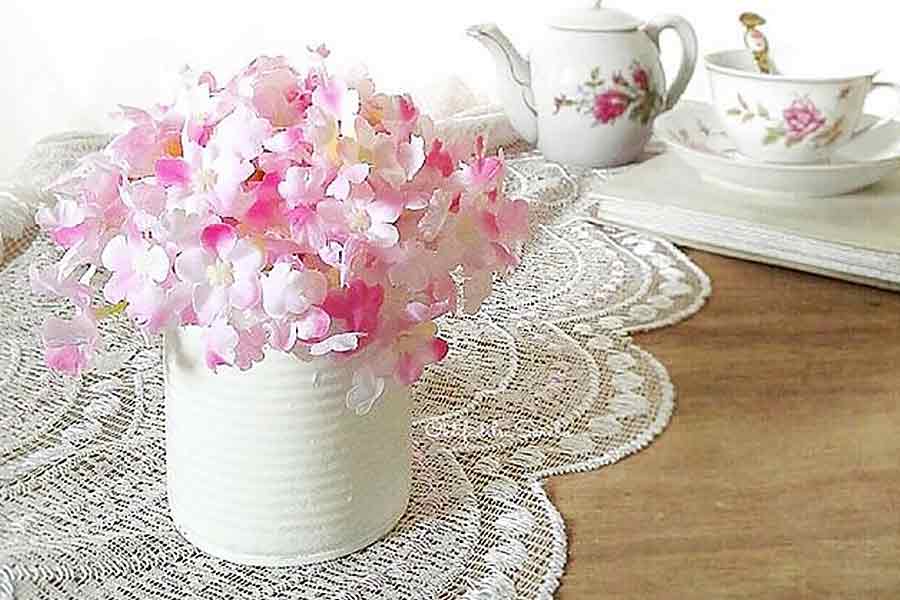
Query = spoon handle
x=756 y=42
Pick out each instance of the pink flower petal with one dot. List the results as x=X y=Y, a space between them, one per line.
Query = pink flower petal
x=437 y=350
x=119 y=285
x=513 y=219
x=477 y=288
x=418 y=312
x=283 y=335
x=231 y=171
x=117 y=254
x=385 y=210
x=339 y=188
x=488 y=222
x=155 y=309
x=66 y=213
x=307 y=228
x=330 y=96
x=313 y=324
x=172 y=171
x=275 y=291
x=144 y=302
x=158 y=264
x=411 y=365
x=504 y=255
x=68 y=360
x=221 y=344
x=331 y=212
x=67 y=237
x=250 y=346
x=51 y=282
x=243 y=133
x=219 y=239
x=191 y=265
x=81 y=330
x=276 y=250
x=356 y=173
x=285 y=141
x=407 y=109
x=439 y=159
x=69 y=344
x=245 y=293
x=411 y=156
x=384 y=234
x=408 y=370
x=268 y=209
x=208 y=79
x=314 y=285
x=246 y=258
x=209 y=303
x=330 y=254
x=362 y=193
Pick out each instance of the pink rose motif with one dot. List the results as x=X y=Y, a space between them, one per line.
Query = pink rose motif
x=802 y=119
x=610 y=105
x=641 y=78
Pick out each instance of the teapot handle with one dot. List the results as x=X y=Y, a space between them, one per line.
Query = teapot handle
x=688 y=52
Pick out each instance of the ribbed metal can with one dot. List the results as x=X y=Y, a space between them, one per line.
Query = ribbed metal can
x=270 y=467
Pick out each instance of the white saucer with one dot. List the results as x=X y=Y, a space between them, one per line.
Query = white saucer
x=692 y=130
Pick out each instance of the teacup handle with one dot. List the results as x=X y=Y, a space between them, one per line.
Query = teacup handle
x=885 y=120
x=688 y=52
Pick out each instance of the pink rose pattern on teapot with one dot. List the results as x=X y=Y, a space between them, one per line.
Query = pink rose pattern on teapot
x=606 y=101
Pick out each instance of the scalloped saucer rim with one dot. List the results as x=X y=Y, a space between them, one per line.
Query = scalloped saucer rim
x=693 y=131
x=726 y=151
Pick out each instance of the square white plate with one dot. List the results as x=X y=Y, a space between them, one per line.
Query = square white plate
x=855 y=237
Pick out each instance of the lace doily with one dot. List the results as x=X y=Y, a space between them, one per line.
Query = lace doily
x=544 y=380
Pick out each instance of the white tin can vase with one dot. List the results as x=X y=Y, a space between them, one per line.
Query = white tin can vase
x=270 y=467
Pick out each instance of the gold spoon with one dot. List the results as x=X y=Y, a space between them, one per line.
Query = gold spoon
x=756 y=42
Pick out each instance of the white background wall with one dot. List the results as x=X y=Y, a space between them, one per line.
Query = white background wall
x=66 y=64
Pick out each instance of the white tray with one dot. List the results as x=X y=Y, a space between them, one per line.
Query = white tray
x=855 y=237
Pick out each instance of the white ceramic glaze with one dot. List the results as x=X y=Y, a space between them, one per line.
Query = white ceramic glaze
x=269 y=466
x=591 y=90
x=789 y=117
x=694 y=131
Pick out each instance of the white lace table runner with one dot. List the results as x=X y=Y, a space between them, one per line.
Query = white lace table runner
x=545 y=380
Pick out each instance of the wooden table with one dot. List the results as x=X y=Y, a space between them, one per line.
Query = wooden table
x=779 y=476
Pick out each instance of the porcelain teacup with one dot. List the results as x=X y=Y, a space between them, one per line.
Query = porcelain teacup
x=801 y=115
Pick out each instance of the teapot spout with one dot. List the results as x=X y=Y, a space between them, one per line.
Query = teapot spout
x=513 y=77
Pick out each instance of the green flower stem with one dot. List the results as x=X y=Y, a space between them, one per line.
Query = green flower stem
x=111 y=310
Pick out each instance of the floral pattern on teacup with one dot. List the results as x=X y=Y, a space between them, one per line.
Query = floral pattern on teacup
x=606 y=101
x=703 y=138
x=801 y=121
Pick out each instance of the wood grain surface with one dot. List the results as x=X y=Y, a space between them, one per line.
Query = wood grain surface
x=779 y=476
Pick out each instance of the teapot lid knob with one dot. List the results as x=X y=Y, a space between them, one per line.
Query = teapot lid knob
x=596 y=18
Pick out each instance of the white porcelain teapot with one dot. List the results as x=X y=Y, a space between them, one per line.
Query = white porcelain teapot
x=593 y=87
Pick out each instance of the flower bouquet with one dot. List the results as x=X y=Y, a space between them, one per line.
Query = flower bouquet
x=294 y=235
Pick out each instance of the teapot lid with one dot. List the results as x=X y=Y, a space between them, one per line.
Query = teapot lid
x=595 y=19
